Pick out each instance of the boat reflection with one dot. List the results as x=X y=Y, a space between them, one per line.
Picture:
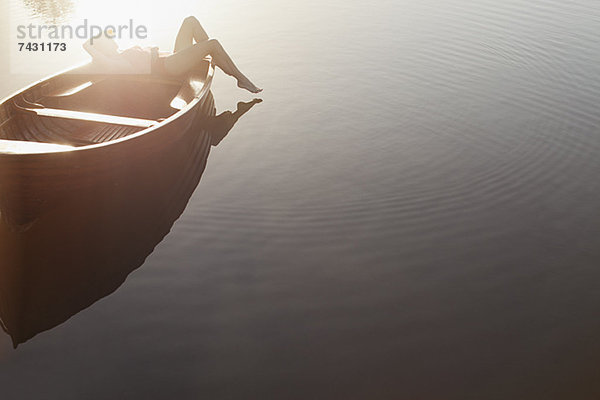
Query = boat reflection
x=84 y=248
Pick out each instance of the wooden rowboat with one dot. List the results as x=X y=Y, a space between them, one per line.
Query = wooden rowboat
x=86 y=242
x=76 y=129
x=84 y=248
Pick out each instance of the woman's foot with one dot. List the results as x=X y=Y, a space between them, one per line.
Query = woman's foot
x=245 y=83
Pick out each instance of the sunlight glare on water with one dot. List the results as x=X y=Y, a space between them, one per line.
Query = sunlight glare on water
x=411 y=212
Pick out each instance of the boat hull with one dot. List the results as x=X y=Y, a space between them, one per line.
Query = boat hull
x=31 y=184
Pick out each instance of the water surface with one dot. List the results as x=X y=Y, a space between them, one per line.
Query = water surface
x=411 y=213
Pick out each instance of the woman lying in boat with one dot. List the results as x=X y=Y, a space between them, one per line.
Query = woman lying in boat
x=107 y=57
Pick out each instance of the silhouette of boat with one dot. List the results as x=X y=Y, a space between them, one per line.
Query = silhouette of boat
x=74 y=129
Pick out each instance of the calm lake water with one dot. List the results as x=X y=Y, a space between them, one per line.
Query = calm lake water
x=411 y=213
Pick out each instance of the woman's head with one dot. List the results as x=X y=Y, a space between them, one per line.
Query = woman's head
x=106 y=45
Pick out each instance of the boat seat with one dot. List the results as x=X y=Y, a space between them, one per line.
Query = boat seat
x=92 y=117
x=24 y=147
x=38 y=109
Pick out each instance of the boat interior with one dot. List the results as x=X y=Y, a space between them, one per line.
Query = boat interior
x=78 y=109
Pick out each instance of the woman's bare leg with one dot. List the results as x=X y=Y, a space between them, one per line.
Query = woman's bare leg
x=190 y=31
x=187 y=58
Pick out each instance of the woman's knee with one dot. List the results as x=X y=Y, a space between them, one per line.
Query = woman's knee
x=214 y=45
x=191 y=20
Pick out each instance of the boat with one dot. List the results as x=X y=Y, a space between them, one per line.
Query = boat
x=77 y=129
x=83 y=248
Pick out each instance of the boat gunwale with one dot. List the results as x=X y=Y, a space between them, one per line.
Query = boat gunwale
x=190 y=106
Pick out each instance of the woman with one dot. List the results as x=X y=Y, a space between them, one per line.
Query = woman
x=186 y=55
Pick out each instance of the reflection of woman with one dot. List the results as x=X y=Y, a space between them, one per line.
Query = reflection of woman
x=186 y=56
x=220 y=125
